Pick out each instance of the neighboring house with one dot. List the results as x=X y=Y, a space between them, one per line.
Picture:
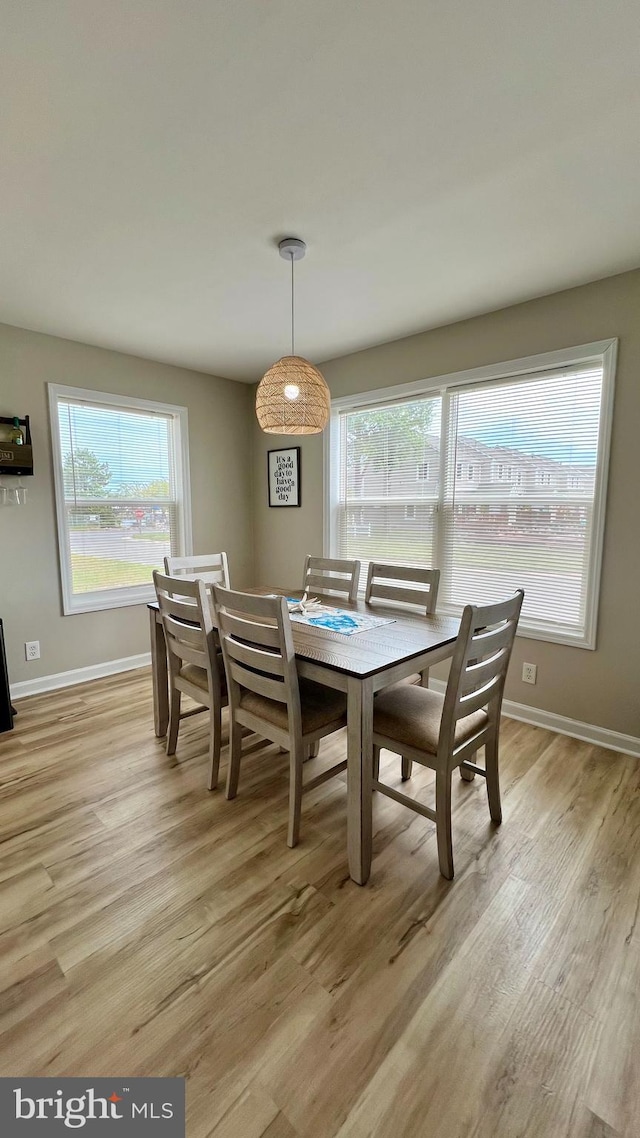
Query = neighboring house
x=494 y=488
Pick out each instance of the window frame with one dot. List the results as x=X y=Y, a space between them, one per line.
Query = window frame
x=601 y=353
x=73 y=603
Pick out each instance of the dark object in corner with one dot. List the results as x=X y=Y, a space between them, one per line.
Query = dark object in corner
x=6 y=710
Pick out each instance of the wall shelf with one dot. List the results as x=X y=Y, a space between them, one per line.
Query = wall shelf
x=15 y=459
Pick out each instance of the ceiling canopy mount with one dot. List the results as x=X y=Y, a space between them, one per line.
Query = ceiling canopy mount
x=292 y=248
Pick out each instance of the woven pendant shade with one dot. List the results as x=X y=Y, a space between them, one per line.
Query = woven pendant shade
x=303 y=409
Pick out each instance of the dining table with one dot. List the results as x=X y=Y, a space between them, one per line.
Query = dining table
x=358 y=665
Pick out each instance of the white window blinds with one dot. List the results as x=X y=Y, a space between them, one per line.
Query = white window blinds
x=498 y=483
x=386 y=513
x=120 y=496
x=525 y=517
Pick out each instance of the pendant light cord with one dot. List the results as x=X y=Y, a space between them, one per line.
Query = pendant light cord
x=292 y=311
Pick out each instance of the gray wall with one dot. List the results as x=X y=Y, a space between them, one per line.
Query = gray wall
x=229 y=488
x=219 y=440
x=600 y=687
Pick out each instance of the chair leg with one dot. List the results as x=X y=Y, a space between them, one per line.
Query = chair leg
x=493 y=777
x=295 y=795
x=235 y=755
x=174 y=721
x=214 y=744
x=424 y=678
x=407 y=767
x=312 y=751
x=443 y=823
x=376 y=761
x=468 y=776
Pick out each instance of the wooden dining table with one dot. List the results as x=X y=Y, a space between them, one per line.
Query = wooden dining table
x=359 y=665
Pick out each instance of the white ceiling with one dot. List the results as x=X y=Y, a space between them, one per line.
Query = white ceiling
x=440 y=160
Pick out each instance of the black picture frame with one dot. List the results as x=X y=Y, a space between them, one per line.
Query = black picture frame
x=283 y=477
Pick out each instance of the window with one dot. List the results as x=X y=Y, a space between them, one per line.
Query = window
x=422 y=472
x=122 y=494
x=380 y=449
x=528 y=511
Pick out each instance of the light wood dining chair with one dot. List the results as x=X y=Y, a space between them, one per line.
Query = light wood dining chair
x=195 y=663
x=266 y=694
x=331 y=577
x=403 y=584
x=406 y=585
x=212 y=568
x=444 y=732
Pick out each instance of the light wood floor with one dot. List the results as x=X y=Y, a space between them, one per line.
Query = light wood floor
x=148 y=927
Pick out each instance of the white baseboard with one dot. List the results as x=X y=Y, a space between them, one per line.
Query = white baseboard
x=79 y=675
x=586 y=732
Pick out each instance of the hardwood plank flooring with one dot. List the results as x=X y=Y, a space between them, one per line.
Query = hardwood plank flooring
x=149 y=927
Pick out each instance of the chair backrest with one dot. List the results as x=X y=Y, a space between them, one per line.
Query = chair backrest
x=212 y=568
x=188 y=625
x=330 y=576
x=403 y=584
x=257 y=646
x=479 y=666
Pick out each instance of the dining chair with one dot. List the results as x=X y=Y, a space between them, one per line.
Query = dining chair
x=405 y=585
x=212 y=568
x=331 y=577
x=444 y=731
x=195 y=663
x=266 y=694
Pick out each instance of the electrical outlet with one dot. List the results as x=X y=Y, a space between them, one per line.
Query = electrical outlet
x=529 y=673
x=32 y=650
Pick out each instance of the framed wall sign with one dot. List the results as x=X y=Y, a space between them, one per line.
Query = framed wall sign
x=283 y=471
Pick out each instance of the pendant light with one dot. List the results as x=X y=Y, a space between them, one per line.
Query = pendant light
x=292 y=396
